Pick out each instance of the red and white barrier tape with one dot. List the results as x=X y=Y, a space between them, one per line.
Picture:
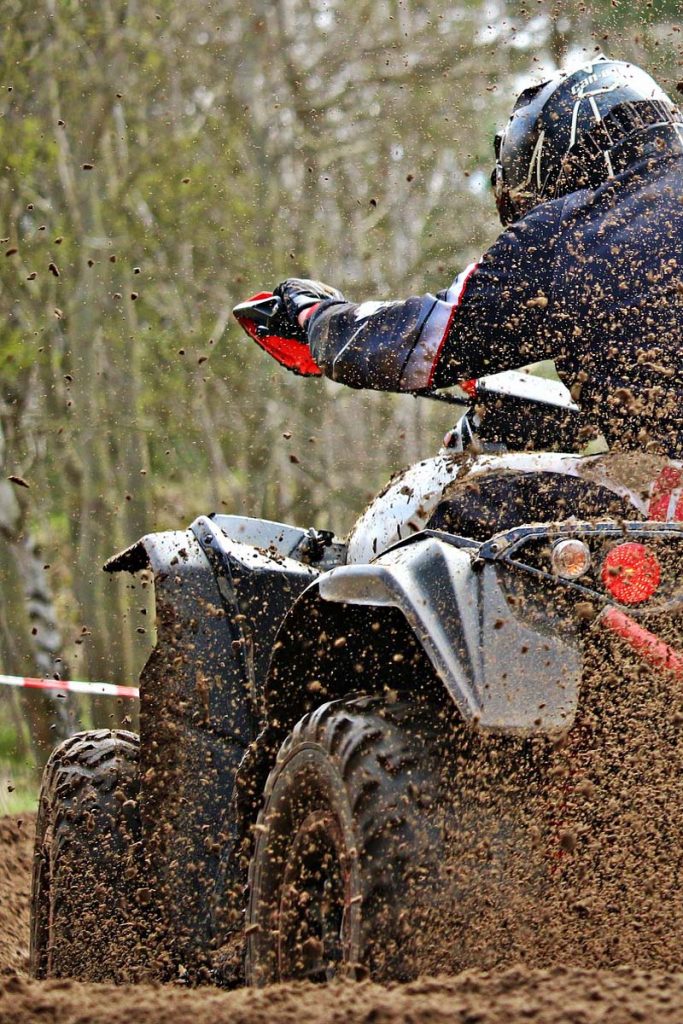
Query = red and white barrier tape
x=71 y=686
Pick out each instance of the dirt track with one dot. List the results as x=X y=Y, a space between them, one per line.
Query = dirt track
x=554 y=996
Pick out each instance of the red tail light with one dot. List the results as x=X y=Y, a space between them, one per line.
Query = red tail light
x=631 y=573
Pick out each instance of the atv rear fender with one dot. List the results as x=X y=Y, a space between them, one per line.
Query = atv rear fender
x=502 y=672
x=437 y=598
x=504 y=635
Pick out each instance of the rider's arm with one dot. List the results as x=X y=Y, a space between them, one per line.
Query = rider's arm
x=493 y=317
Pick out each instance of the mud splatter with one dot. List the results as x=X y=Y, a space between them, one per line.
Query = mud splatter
x=558 y=995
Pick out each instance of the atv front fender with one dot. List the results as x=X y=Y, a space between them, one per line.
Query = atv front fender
x=501 y=673
x=197 y=717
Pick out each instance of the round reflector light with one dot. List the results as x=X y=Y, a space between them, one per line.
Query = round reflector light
x=570 y=558
x=631 y=573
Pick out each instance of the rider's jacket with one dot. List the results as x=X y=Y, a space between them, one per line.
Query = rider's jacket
x=593 y=280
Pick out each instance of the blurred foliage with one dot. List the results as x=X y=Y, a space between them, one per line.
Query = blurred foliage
x=164 y=161
x=18 y=779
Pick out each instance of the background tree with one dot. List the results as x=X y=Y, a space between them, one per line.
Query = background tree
x=162 y=162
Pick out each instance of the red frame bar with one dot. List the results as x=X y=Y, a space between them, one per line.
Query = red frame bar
x=651 y=648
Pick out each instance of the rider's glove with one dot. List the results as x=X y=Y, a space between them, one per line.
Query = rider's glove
x=299 y=295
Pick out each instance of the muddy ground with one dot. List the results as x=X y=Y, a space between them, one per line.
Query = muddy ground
x=561 y=994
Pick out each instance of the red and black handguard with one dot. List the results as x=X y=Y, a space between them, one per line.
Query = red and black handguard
x=264 y=319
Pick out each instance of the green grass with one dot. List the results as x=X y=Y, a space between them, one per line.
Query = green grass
x=19 y=786
x=19 y=781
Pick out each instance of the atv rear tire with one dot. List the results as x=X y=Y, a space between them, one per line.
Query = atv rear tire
x=344 y=850
x=87 y=870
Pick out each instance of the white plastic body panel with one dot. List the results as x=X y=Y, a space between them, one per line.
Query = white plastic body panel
x=530 y=387
x=501 y=672
x=406 y=505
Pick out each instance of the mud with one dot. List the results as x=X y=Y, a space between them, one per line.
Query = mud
x=559 y=995
x=16 y=851
x=570 y=851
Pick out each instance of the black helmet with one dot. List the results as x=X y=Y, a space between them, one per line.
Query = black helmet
x=562 y=133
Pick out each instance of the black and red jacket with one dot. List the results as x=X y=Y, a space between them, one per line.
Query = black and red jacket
x=593 y=280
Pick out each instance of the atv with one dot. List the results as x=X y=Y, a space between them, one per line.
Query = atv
x=408 y=750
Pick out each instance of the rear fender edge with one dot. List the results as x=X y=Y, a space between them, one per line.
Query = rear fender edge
x=502 y=674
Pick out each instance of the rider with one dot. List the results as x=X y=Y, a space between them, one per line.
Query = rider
x=588 y=183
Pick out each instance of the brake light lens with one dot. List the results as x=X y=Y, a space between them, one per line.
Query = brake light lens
x=631 y=573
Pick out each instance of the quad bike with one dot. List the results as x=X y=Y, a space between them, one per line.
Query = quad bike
x=395 y=752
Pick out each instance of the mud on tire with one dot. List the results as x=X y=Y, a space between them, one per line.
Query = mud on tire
x=344 y=848
x=88 y=881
